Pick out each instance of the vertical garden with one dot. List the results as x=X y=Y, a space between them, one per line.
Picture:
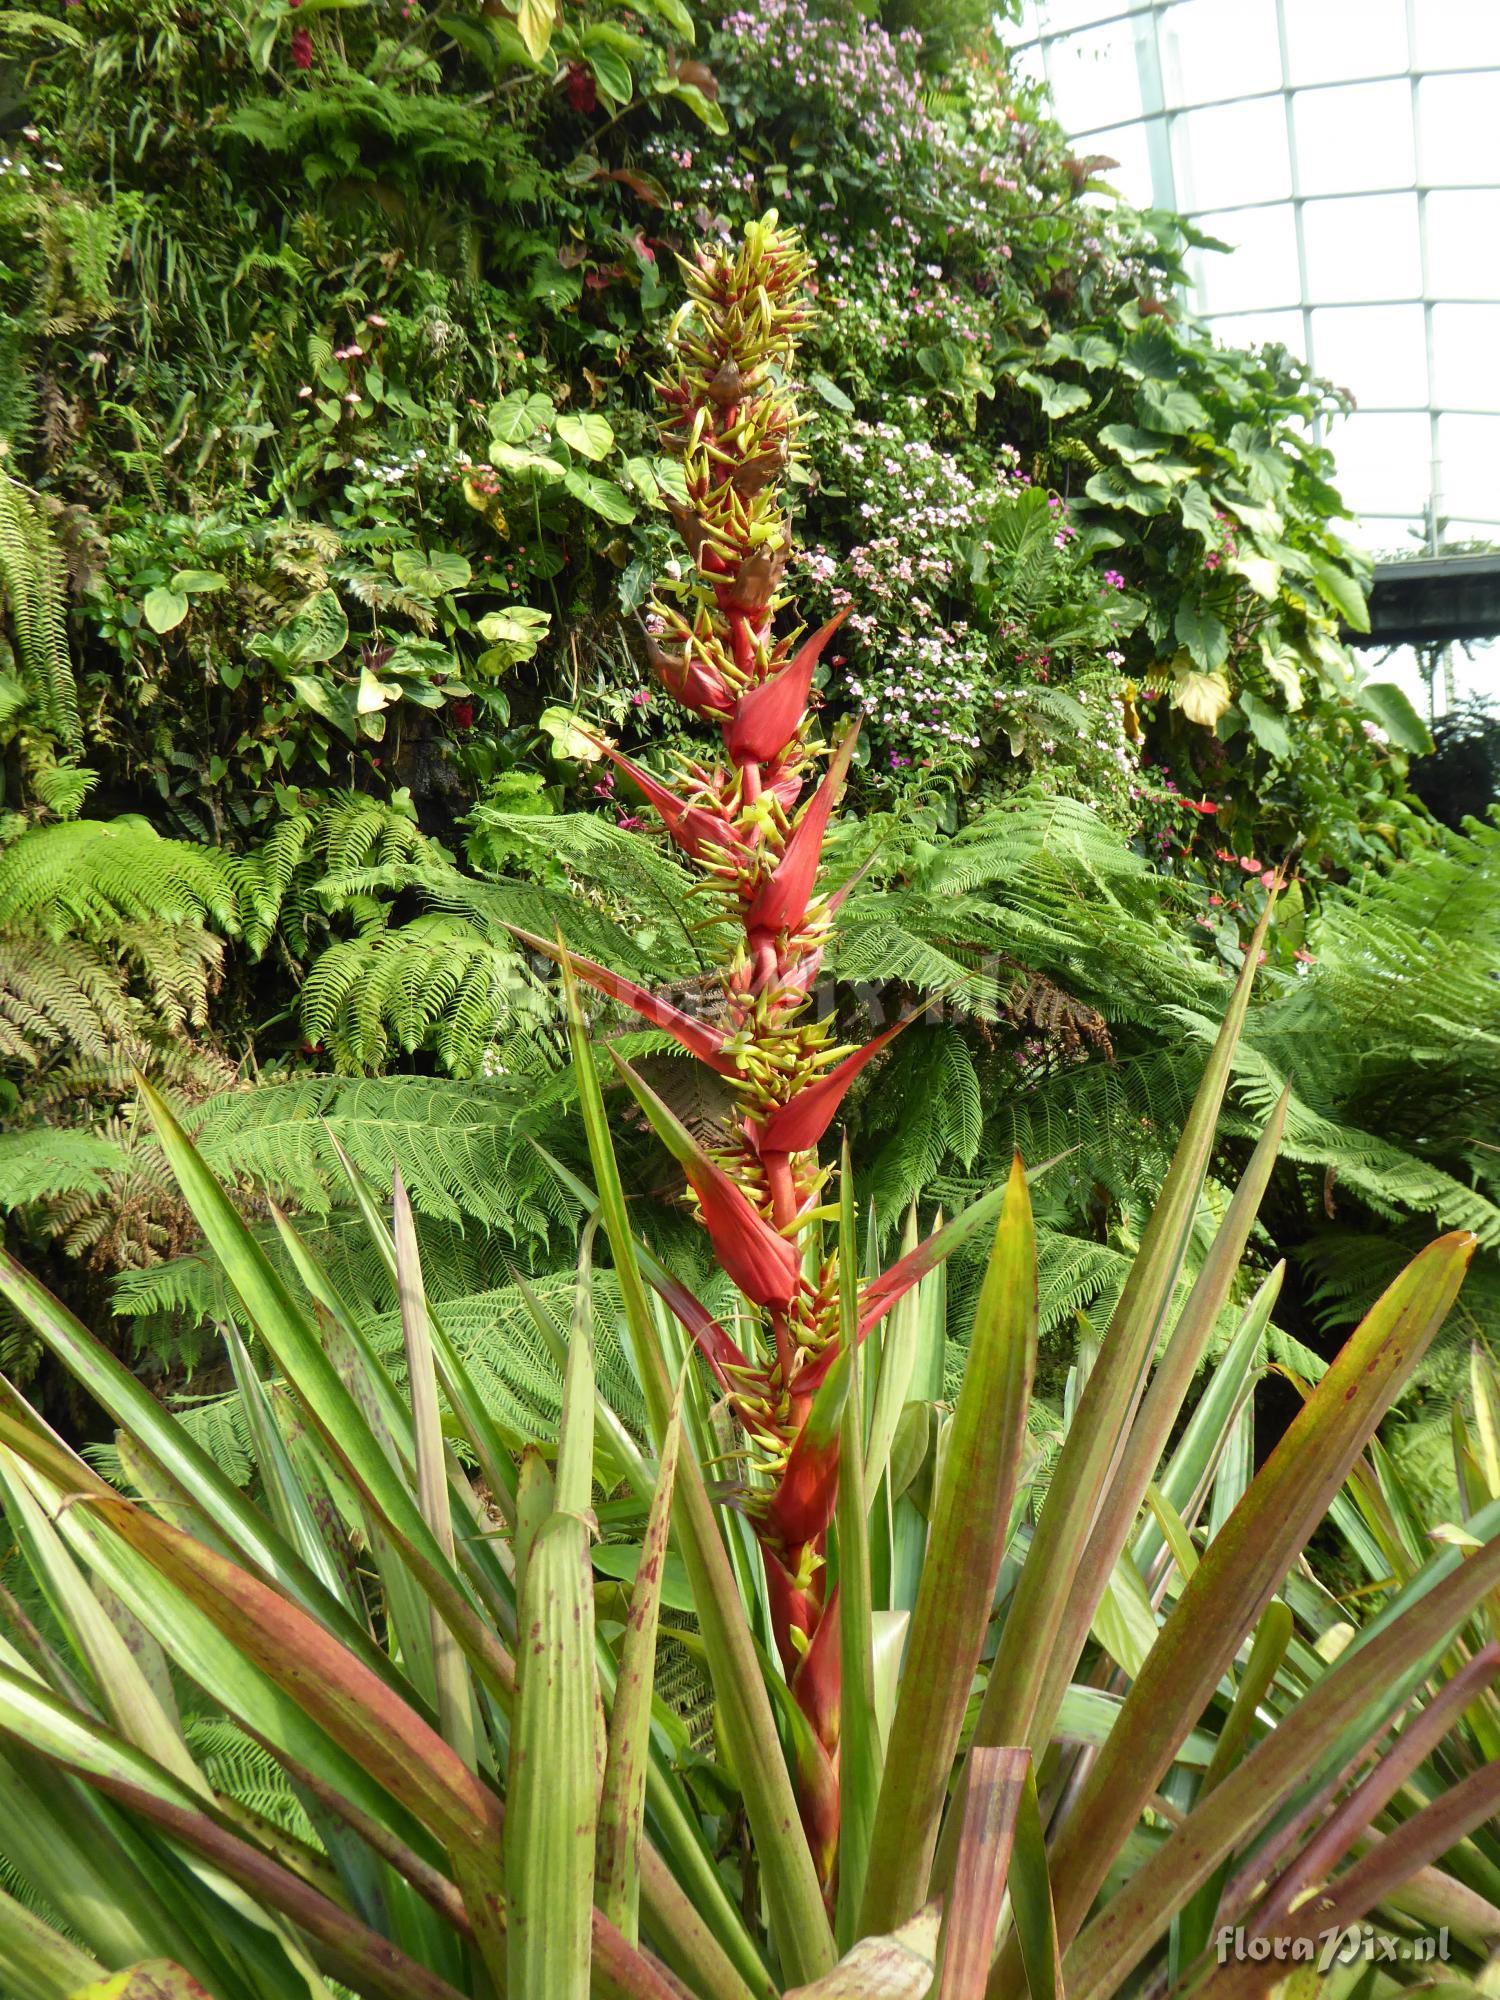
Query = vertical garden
x=748 y=1132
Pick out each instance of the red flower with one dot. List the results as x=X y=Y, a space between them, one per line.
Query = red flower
x=462 y=713
x=302 y=48
x=582 y=95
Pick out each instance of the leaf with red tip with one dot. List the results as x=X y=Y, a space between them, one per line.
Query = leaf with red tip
x=697 y=1037
x=800 y=1123
x=767 y=717
x=761 y=1262
x=693 y=829
x=781 y=902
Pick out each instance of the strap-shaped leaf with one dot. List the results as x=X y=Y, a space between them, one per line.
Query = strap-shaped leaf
x=969 y=1528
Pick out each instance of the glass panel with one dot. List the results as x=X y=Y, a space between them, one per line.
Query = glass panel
x=1284 y=329
x=1261 y=269
x=1095 y=80
x=1471 y=451
x=1463 y=231
x=1365 y=247
x=1466 y=358
x=1459 y=116
x=1457 y=34
x=1382 y=462
x=1059 y=15
x=1219 y=48
x=1335 y=41
x=1130 y=145
x=1377 y=353
x=1354 y=138
x=1233 y=154
x=1028 y=65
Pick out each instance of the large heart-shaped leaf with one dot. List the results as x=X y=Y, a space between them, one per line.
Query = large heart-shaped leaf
x=587 y=433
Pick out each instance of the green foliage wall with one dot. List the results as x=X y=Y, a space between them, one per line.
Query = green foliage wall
x=328 y=497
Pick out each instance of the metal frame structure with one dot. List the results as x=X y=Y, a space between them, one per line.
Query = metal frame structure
x=1158 y=116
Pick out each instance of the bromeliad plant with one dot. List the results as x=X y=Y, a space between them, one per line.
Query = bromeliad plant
x=979 y=1733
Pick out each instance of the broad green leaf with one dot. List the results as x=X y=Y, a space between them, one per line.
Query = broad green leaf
x=194 y=580
x=831 y=394
x=1204 y=636
x=591 y=435
x=612 y=74
x=1203 y=698
x=601 y=495
x=1267 y=727
x=705 y=109
x=518 y=416
x=1166 y=406
x=1391 y=708
x=1131 y=442
x=1058 y=399
x=431 y=571
x=1117 y=487
x=970 y=1522
x=535 y=20
x=514 y=635
x=1341 y=590
x=164 y=609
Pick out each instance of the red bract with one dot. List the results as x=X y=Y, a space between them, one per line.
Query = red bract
x=769 y=716
x=731 y=421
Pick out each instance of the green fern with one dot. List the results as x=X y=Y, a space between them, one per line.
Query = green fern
x=31 y=590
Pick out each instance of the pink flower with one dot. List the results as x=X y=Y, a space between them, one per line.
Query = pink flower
x=305 y=391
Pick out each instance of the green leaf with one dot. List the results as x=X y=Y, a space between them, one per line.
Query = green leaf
x=1372 y=1677
x=1152 y=353
x=164 y=609
x=612 y=74
x=1131 y=442
x=518 y=416
x=1204 y=636
x=193 y=580
x=831 y=393
x=1387 y=705
x=1245 y=1563
x=1266 y=726
x=971 y=1908
x=623 y=1803
x=861 y=1758
x=514 y=635
x=1165 y=406
x=1338 y=588
x=799 y=1923
x=1116 y=487
x=602 y=495
x=587 y=433
x=431 y=571
x=535 y=20
x=550 y=1804
x=705 y=109
x=970 y=1525
x=152 y=1979
x=1058 y=399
